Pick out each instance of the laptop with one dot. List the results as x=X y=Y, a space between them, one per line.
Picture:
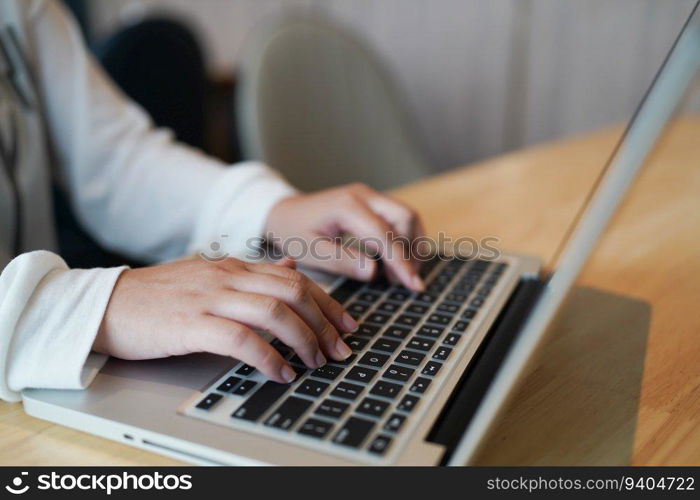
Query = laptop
x=430 y=371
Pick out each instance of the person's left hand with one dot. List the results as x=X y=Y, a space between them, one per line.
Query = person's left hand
x=354 y=210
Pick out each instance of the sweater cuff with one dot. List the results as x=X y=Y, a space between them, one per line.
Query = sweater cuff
x=234 y=215
x=57 y=323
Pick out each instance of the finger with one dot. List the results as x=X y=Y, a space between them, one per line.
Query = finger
x=263 y=312
x=295 y=291
x=403 y=219
x=287 y=262
x=331 y=308
x=376 y=232
x=229 y=338
x=327 y=255
x=418 y=241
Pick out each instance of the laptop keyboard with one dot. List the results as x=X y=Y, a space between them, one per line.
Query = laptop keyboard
x=364 y=403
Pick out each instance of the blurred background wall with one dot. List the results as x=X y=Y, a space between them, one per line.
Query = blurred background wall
x=481 y=77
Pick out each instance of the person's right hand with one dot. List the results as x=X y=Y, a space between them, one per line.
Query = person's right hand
x=201 y=306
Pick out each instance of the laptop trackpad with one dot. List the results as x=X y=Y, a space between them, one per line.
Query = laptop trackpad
x=194 y=371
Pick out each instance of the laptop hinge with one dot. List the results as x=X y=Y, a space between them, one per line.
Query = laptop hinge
x=476 y=379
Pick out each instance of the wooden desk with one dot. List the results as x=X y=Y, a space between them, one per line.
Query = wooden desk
x=620 y=380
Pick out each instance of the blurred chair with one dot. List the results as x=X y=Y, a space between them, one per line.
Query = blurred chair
x=159 y=63
x=317 y=105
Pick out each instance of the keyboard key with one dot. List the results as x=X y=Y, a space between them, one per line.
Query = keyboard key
x=469 y=313
x=280 y=347
x=245 y=370
x=446 y=308
x=286 y=415
x=367 y=330
x=209 y=401
x=420 y=344
x=260 y=401
x=464 y=287
x=426 y=266
x=430 y=331
x=373 y=407
x=379 y=285
x=386 y=345
x=400 y=373
x=299 y=370
x=361 y=374
x=328 y=372
x=379 y=445
x=442 y=279
x=353 y=432
x=425 y=297
x=244 y=388
x=442 y=353
x=297 y=360
x=345 y=362
x=389 y=307
x=452 y=339
x=460 y=326
x=311 y=388
x=357 y=309
x=228 y=384
x=379 y=318
x=484 y=291
x=385 y=389
x=347 y=390
x=395 y=422
x=375 y=359
x=420 y=385
x=407 y=320
x=455 y=297
x=369 y=296
x=346 y=289
x=408 y=403
x=409 y=358
x=315 y=428
x=439 y=319
x=355 y=343
x=399 y=295
x=476 y=303
x=397 y=332
x=331 y=408
x=431 y=368
x=419 y=309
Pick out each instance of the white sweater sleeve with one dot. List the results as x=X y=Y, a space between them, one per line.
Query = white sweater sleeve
x=49 y=316
x=133 y=187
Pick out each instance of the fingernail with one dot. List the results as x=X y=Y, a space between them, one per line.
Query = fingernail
x=320 y=359
x=349 y=323
x=418 y=283
x=342 y=349
x=288 y=374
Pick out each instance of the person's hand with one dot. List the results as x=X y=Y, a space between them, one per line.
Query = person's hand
x=201 y=306
x=355 y=210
